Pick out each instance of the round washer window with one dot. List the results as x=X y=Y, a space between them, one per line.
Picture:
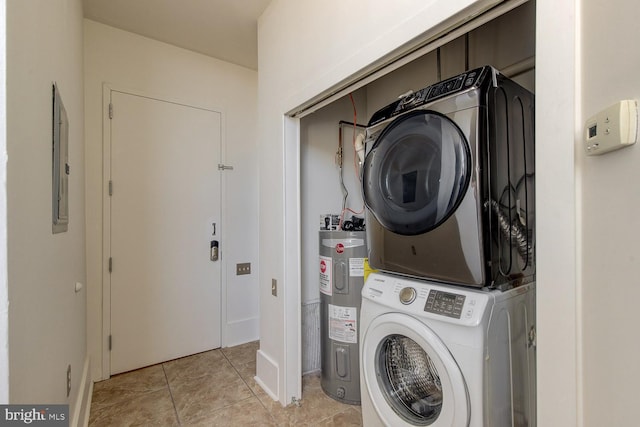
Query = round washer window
x=409 y=380
x=417 y=173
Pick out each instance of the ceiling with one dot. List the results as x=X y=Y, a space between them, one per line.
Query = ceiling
x=223 y=29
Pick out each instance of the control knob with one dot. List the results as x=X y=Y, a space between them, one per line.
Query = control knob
x=407 y=101
x=408 y=295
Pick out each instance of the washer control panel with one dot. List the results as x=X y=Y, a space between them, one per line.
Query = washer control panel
x=445 y=303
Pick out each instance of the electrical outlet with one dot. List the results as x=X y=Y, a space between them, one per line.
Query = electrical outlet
x=68 y=380
x=243 y=268
x=274 y=287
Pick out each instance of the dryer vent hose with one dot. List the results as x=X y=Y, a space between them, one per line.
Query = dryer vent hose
x=514 y=232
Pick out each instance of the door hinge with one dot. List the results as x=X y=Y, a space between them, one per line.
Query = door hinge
x=110 y=264
x=532 y=336
x=110 y=342
x=110 y=188
x=110 y=110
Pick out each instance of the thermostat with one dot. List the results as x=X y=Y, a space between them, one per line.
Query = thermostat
x=612 y=128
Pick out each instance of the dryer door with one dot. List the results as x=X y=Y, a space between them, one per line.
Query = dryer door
x=410 y=375
x=416 y=173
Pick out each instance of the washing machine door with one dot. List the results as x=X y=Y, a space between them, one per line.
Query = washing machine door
x=416 y=173
x=410 y=375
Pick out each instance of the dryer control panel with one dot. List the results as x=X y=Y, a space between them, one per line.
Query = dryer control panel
x=459 y=83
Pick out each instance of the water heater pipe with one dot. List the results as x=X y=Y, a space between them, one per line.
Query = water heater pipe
x=359 y=147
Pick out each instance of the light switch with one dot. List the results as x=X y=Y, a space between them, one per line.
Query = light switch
x=243 y=268
x=613 y=128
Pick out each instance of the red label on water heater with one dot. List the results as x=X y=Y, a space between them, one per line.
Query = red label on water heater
x=339 y=248
x=323 y=266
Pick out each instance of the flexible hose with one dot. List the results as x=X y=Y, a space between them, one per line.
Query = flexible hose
x=514 y=232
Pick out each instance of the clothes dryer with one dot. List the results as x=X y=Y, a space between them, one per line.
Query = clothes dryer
x=448 y=181
x=446 y=356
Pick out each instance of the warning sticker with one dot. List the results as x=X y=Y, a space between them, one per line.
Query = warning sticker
x=356 y=267
x=343 y=323
x=325 y=275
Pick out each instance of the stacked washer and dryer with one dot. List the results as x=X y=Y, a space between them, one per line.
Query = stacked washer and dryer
x=448 y=325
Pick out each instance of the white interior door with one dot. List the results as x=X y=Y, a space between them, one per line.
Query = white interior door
x=165 y=290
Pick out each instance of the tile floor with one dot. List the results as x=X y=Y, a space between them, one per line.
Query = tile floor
x=214 y=388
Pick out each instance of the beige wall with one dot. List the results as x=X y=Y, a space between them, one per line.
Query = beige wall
x=130 y=62
x=47 y=318
x=610 y=210
x=4 y=302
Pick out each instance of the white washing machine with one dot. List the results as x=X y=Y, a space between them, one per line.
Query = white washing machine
x=438 y=355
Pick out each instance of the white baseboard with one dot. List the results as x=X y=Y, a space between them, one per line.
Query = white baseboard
x=87 y=413
x=82 y=407
x=267 y=374
x=242 y=331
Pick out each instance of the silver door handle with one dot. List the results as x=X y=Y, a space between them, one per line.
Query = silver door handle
x=214 y=250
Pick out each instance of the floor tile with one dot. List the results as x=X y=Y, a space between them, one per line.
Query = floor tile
x=123 y=387
x=248 y=412
x=247 y=372
x=314 y=406
x=213 y=388
x=149 y=409
x=242 y=354
x=196 y=398
x=351 y=417
x=195 y=366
